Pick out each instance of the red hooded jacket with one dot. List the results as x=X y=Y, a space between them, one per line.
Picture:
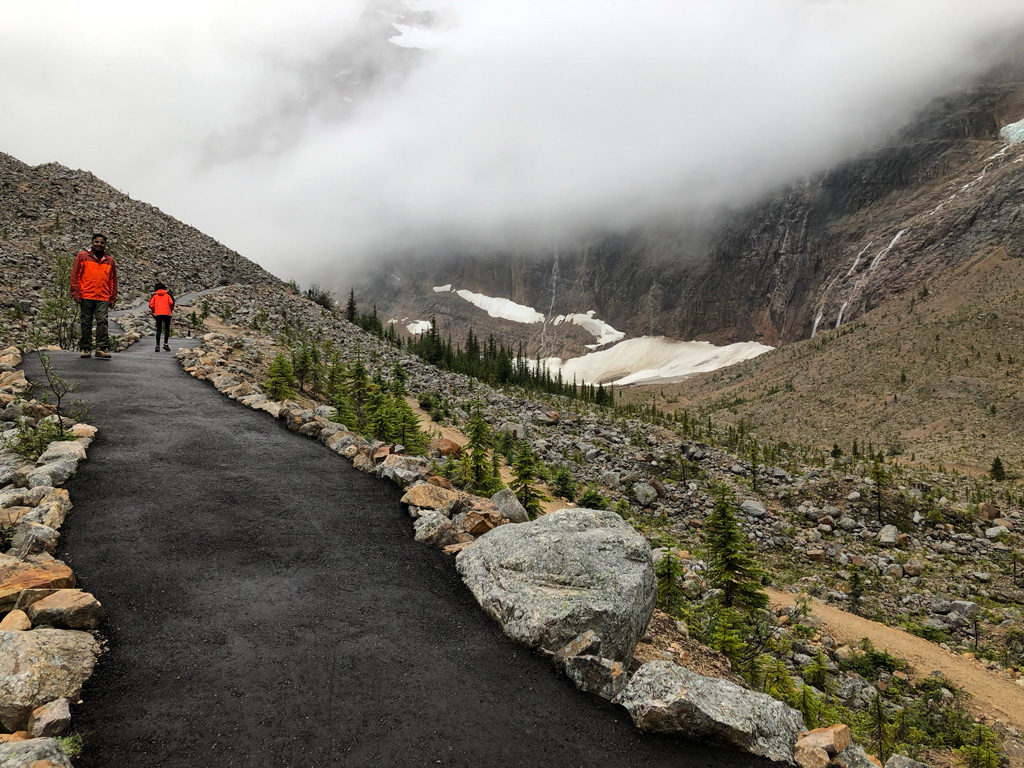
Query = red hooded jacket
x=94 y=278
x=162 y=303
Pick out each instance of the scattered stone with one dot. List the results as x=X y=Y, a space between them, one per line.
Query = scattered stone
x=810 y=757
x=833 y=739
x=68 y=608
x=889 y=536
x=51 y=719
x=754 y=508
x=585 y=644
x=548 y=580
x=900 y=761
x=41 y=572
x=39 y=666
x=509 y=507
x=644 y=493
x=429 y=496
x=854 y=756
x=435 y=529
x=604 y=677
x=663 y=697
x=15 y=621
x=33 y=753
x=31 y=539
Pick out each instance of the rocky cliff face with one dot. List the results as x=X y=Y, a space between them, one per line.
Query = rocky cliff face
x=821 y=253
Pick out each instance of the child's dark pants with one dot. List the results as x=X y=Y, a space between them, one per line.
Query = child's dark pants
x=163 y=321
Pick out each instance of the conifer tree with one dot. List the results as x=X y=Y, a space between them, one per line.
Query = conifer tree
x=280 y=378
x=731 y=565
x=524 y=468
x=302 y=363
x=562 y=483
x=878 y=727
x=379 y=416
x=997 y=472
x=855 y=589
x=407 y=427
x=351 y=310
x=669 y=572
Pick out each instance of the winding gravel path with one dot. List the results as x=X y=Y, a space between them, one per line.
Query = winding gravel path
x=268 y=606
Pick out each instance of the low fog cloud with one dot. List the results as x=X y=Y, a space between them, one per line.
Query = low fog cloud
x=314 y=135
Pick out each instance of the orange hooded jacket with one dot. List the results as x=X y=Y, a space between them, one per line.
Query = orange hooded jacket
x=94 y=278
x=162 y=303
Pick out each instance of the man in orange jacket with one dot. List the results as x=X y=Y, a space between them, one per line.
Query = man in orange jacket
x=94 y=287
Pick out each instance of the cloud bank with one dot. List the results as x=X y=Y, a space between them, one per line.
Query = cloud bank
x=316 y=136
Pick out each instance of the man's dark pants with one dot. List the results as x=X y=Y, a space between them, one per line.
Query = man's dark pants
x=94 y=309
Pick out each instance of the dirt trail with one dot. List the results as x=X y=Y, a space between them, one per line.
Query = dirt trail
x=992 y=694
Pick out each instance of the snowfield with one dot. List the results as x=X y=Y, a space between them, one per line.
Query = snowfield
x=418 y=327
x=604 y=333
x=503 y=308
x=653 y=359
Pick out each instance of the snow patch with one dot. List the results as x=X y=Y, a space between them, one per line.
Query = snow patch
x=604 y=333
x=652 y=359
x=420 y=326
x=503 y=308
x=1014 y=132
x=442 y=288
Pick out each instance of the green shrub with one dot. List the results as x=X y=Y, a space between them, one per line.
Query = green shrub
x=29 y=442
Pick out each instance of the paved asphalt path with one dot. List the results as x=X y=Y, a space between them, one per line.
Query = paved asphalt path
x=267 y=606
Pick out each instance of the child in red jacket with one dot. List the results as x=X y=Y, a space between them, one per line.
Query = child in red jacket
x=162 y=304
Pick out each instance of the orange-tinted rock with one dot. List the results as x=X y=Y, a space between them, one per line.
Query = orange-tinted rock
x=810 y=757
x=445 y=447
x=70 y=608
x=833 y=739
x=12 y=515
x=15 y=621
x=381 y=453
x=987 y=511
x=428 y=496
x=11 y=738
x=16 y=575
x=441 y=482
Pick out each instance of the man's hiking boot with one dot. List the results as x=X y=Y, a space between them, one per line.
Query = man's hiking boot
x=102 y=354
x=86 y=353
x=166 y=348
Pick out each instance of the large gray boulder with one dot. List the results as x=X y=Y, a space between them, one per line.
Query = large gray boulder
x=549 y=580
x=39 y=666
x=27 y=754
x=663 y=697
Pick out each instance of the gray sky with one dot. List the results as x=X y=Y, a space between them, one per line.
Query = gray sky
x=314 y=134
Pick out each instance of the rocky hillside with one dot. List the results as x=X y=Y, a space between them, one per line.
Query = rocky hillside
x=49 y=210
x=823 y=252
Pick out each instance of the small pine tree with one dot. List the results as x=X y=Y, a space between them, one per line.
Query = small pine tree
x=669 y=572
x=592 y=498
x=880 y=477
x=817 y=673
x=562 y=483
x=407 y=427
x=731 y=565
x=351 y=310
x=280 y=378
x=983 y=752
x=524 y=468
x=997 y=472
x=855 y=589
x=878 y=727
